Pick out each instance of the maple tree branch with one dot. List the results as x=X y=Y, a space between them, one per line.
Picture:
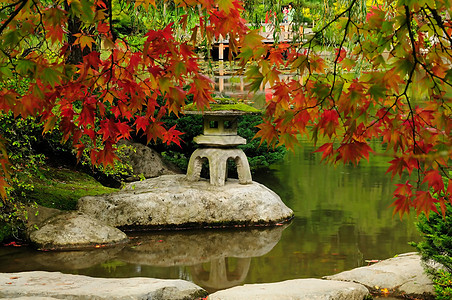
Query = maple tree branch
x=440 y=22
x=114 y=35
x=10 y=5
x=410 y=76
x=336 y=60
x=309 y=42
x=438 y=35
x=337 y=17
x=13 y=15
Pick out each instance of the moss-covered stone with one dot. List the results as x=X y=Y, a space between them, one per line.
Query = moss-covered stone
x=61 y=188
x=228 y=104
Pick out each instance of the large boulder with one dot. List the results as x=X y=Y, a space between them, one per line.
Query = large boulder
x=37 y=215
x=172 y=201
x=74 y=230
x=401 y=275
x=297 y=289
x=66 y=286
x=146 y=162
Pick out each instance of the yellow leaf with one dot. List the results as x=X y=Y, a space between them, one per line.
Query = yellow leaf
x=225 y=5
x=252 y=39
x=84 y=41
x=49 y=124
x=108 y=44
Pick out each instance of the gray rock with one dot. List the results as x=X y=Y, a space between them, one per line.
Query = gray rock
x=146 y=161
x=297 y=289
x=401 y=275
x=74 y=230
x=37 y=215
x=66 y=286
x=30 y=298
x=171 y=200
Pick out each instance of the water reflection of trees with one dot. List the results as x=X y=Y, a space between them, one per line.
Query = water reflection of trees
x=342 y=217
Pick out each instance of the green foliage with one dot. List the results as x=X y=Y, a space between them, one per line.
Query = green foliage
x=259 y=156
x=437 y=234
x=12 y=217
x=443 y=285
x=127 y=20
x=132 y=22
x=229 y=106
x=121 y=168
x=31 y=181
x=191 y=126
x=20 y=135
x=437 y=247
x=5 y=231
x=61 y=188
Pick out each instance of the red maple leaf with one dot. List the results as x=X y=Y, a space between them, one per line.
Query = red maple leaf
x=403 y=202
x=425 y=203
x=329 y=121
x=353 y=152
x=326 y=150
x=340 y=54
x=172 y=135
x=400 y=164
x=434 y=180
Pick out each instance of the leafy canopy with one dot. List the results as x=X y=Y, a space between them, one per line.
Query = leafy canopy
x=387 y=78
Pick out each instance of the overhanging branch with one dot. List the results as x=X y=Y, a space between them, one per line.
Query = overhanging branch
x=13 y=15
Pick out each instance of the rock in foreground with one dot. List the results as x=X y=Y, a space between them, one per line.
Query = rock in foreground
x=298 y=289
x=401 y=275
x=172 y=201
x=74 y=230
x=66 y=286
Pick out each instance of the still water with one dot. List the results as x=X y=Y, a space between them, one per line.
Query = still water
x=342 y=219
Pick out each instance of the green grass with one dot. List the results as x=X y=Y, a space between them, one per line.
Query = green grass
x=61 y=188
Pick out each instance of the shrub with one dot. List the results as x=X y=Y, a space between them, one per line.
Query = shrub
x=437 y=247
x=442 y=283
x=259 y=156
x=437 y=238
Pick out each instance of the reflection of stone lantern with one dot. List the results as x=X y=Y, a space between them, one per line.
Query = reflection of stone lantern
x=221 y=275
x=219 y=144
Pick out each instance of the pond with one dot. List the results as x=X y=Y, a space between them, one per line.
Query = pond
x=342 y=220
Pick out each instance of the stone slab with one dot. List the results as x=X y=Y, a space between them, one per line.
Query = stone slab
x=401 y=275
x=173 y=201
x=297 y=289
x=67 y=286
x=219 y=140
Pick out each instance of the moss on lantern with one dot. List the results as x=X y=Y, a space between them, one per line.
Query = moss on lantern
x=225 y=104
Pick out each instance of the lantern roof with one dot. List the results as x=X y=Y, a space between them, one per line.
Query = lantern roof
x=223 y=107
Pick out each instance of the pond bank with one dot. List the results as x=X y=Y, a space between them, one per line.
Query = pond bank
x=401 y=276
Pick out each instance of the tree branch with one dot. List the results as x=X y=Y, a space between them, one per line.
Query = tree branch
x=13 y=15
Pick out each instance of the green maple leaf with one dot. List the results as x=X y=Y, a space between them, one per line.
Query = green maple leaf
x=377 y=91
x=51 y=76
x=24 y=66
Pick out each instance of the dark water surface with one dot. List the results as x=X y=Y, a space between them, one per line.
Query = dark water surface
x=342 y=218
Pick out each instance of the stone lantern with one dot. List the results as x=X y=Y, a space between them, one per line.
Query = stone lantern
x=219 y=144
